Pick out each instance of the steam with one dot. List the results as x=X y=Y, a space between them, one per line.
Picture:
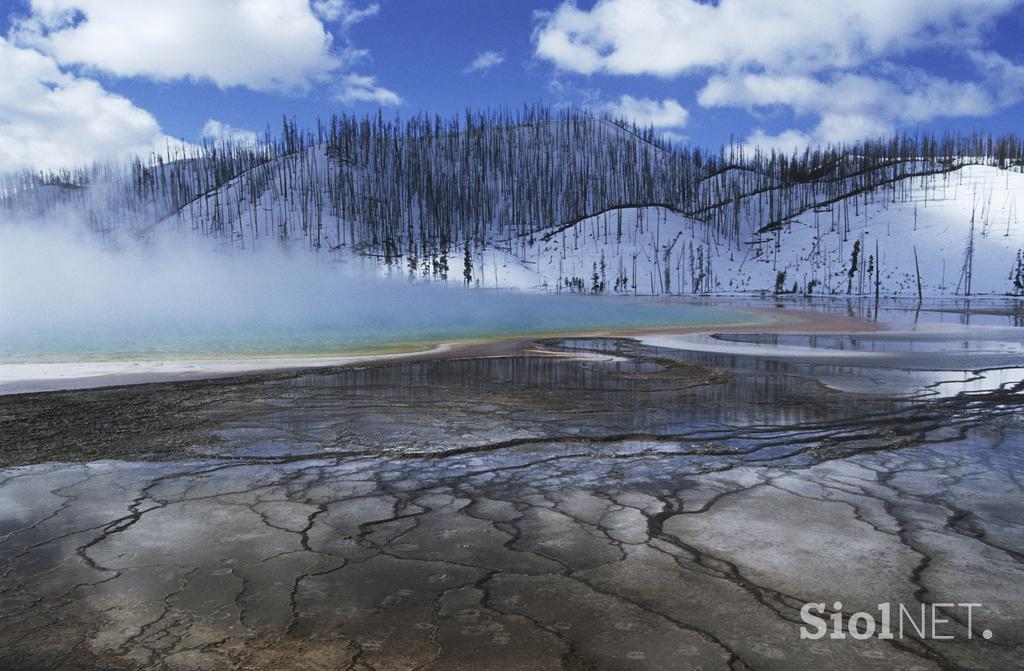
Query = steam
x=63 y=278
x=65 y=293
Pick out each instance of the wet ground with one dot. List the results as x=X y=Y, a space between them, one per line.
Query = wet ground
x=592 y=503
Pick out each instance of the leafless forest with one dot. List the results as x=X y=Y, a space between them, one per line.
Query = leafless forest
x=426 y=191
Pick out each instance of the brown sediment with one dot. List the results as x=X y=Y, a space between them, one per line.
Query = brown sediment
x=111 y=374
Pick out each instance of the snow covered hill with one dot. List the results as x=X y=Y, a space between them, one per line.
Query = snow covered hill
x=569 y=202
x=949 y=227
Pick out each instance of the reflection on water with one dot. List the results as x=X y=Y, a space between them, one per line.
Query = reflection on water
x=937 y=343
x=941 y=368
x=637 y=388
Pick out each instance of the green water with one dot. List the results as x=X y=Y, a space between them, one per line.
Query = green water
x=330 y=330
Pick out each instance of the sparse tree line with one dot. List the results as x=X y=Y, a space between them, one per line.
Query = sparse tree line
x=422 y=192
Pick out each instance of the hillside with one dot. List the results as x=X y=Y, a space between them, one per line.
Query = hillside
x=929 y=227
x=568 y=201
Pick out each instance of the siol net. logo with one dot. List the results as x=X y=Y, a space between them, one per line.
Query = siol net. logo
x=932 y=621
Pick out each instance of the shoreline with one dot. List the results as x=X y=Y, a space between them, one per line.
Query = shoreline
x=43 y=377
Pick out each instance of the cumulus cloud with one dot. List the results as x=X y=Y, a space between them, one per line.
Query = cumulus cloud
x=669 y=37
x=848 y=106
x=356 y=88
x=218 y=130
x=263 y=45
x=913 y=96
x=50 y=118
x=667 y=113
x=484 y=62
x=53 y=114
x=830 y=59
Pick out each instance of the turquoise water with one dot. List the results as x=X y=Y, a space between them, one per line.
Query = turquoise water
x=387 y=323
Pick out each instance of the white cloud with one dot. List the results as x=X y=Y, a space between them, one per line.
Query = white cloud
x=363 y=88
x=789 y=141
x=832 y=129
x=51 y=119
x=909 y=96
x=670 y=37
x=218 y=130
x=667 y=113
x=485 y=61
x=260 y=44
x=1005 y=78
x=849 y=128
x=760 y=90
x=342 y=11
x=828 y=59
x=848 y=107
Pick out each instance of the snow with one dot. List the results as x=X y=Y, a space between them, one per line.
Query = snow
x=919 y=221
x=932 y=215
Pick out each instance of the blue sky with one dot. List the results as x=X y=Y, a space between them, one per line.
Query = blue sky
x=83 y=79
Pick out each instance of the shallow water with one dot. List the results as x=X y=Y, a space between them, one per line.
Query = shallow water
x=890 y=342
x=465 y=315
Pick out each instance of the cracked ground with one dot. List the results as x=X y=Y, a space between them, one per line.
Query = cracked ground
x=584 y=504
